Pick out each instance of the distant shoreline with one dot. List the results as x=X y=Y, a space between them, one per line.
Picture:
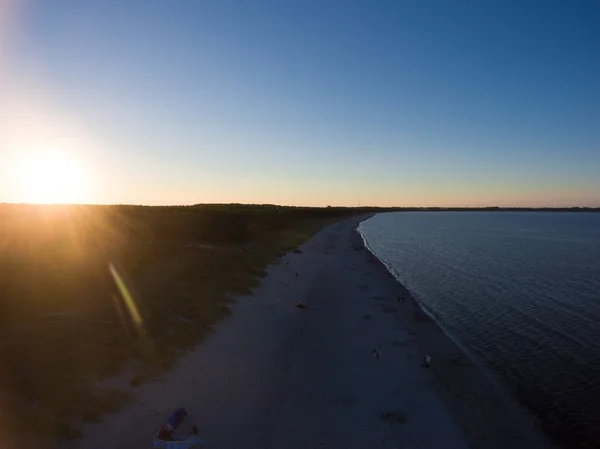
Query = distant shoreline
x=496 y=209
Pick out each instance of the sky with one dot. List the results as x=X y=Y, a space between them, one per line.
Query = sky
x=390 y=103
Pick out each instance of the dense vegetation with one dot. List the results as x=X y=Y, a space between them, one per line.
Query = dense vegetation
x=86 y=291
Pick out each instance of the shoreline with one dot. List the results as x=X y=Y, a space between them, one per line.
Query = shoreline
x=473 y=357
x=498 y=402
x=431 y=314
x=280 y=376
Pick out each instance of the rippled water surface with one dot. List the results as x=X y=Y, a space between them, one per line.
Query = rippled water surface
x=521 y=290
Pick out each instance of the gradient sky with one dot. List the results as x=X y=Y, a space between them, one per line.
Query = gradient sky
x=307 y=102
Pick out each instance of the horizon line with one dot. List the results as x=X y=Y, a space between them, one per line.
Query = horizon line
x=491 y=208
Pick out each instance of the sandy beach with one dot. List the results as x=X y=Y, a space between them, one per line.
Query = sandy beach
x=276 y=376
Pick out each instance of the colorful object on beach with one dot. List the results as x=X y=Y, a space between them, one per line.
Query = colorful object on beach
x=165 y=438
x=177 y=417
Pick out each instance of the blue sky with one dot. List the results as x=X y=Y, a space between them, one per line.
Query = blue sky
x=308 y=102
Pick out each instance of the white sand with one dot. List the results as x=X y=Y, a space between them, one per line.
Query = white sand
x=275 y=376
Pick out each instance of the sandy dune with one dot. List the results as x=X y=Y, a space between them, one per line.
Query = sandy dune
x=276 y=376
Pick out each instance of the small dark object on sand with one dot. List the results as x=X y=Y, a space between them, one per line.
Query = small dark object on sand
x=296 y=274
x=377 y=352
x=297 y=251
x=301 y=305
x=393 y=417
x=426 y=361
x=400 y=297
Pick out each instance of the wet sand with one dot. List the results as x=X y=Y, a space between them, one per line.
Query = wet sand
x=276 y=376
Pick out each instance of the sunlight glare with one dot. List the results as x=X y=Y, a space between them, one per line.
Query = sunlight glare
x=51 y=178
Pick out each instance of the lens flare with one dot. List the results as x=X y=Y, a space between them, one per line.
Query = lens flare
x=128 y=298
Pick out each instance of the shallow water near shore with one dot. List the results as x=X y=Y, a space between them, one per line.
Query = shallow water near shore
x=521 y=290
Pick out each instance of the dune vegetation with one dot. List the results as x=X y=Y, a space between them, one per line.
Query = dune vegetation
x=91 y=292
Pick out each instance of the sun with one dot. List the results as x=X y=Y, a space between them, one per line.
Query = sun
x=51 y=178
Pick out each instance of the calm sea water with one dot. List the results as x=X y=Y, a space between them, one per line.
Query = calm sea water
x=521 y=290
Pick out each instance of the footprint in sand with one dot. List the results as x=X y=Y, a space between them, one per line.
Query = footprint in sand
x=394 y=417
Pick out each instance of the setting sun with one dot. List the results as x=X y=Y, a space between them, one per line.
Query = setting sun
x=51 y=178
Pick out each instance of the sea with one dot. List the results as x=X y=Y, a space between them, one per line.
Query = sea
x=520 y=291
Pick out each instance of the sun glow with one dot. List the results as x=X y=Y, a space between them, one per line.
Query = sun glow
x=51 y=178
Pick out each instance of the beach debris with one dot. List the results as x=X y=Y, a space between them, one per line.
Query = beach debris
x=377 y=351
x=166 y=437
x=426 y=361
x=296 y=274
x=400 y=297
x=297 y=251
x=301 y=304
